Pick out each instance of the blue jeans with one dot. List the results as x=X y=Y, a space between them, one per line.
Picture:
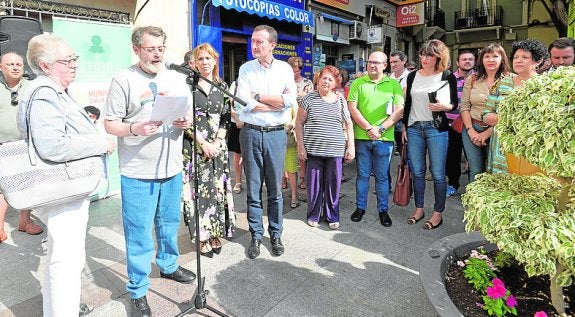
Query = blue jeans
x=376 y=154
x=476 y=156
x=423 y=138
x=147 y=203
x=263 y=156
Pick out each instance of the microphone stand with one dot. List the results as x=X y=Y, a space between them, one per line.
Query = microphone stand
x=200 y=294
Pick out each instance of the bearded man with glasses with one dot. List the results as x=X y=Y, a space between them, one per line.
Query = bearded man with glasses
x=150 y=155
x=12 y=66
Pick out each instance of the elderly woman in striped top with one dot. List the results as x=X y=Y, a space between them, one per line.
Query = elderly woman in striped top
x=324 y=133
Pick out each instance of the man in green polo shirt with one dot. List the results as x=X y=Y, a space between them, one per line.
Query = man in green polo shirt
x=375 y=103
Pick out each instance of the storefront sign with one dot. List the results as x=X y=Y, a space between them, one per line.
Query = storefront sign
x=340 y=4
x=300 y=4
x=268 y=9
x=410 y=14
x=284 y=50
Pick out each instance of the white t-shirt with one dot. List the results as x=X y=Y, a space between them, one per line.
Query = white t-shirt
x=130 y=99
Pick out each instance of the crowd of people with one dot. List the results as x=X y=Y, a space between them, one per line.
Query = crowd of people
x=288 y=124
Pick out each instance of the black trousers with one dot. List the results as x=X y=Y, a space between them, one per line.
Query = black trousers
x=453 y=161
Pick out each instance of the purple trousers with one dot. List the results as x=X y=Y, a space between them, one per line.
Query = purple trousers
x=323 y=178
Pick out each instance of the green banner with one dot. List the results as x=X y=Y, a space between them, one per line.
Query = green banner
x=104 y=50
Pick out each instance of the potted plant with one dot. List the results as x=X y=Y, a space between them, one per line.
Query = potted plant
x=532 y=217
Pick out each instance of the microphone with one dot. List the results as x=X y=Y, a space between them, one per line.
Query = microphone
x=154 y=88
x=179 y=68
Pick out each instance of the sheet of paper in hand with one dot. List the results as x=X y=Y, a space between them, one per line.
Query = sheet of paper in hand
x=169 y=108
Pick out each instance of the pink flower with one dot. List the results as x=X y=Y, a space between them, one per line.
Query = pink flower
x=511 y=301
x=540 y=314
x=497 y=290
x=479 y=305
x=497 y=282
x=461 y=263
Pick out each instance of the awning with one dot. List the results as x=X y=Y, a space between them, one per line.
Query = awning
x=335 y=18
x=268 y=10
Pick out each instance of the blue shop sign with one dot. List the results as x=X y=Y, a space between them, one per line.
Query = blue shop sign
x=300 y=4
x=268 y=9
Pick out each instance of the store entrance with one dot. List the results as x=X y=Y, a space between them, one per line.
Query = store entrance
x=235 y=54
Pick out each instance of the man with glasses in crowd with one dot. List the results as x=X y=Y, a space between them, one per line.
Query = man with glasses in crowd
x=12 y=66
x=267 y=85
x=375 y=103
x=150 y=155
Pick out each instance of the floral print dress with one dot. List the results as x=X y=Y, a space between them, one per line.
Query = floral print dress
x=215 y=200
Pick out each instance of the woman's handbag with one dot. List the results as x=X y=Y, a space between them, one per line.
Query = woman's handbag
x=28 y=181
x=403 y=189
x=457 y=124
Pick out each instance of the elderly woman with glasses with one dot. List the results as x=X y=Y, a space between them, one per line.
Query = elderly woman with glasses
x=431 y=92
x=61 y=131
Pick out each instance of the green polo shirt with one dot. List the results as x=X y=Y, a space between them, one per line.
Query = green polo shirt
x=372 y=100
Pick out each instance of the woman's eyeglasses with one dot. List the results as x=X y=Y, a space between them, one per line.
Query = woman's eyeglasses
x=14 y=98
x=426 y=55
x=68 y=61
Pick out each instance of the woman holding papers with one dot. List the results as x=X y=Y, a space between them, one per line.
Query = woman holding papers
x=431 y=91
x=215 y=202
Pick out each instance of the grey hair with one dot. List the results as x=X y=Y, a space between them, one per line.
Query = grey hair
x=151 y=30
x=44 y=48
x=273 y=34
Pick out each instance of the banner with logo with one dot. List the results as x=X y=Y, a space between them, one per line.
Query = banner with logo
x=104 y=50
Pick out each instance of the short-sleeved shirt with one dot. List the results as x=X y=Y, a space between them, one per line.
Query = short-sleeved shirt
x=8 y=112
x=373 y=99
x=130 y=99
x=402 y=79
x=323 y=133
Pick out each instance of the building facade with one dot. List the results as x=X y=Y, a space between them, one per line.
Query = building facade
x=228 y=26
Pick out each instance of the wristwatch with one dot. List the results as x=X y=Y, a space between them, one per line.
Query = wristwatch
x=257 y=97
x=381 y=128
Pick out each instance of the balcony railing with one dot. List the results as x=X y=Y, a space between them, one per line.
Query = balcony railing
x=478 y=18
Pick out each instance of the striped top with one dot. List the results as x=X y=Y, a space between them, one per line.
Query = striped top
x=323 y=133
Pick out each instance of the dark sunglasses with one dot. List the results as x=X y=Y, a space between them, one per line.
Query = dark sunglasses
x=14 y=97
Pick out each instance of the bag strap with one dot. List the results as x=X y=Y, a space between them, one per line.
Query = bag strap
x=403 y=154
x=341 y=99
x=31 y=149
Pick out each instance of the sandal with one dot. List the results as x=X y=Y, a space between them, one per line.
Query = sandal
x=294 y=202
x=428 y=225
x=216 y=245
x=302 y=184
x=312 y=223
x=205 y=245
x=412 y=220
x=237 y=188
x=3 y=237
x=85 y=309
x=30 y=228
x=334 y=225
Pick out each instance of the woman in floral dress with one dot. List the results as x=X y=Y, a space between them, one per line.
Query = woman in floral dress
x=215 y=202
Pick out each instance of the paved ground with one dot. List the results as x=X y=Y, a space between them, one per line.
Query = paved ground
x=362 y=269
